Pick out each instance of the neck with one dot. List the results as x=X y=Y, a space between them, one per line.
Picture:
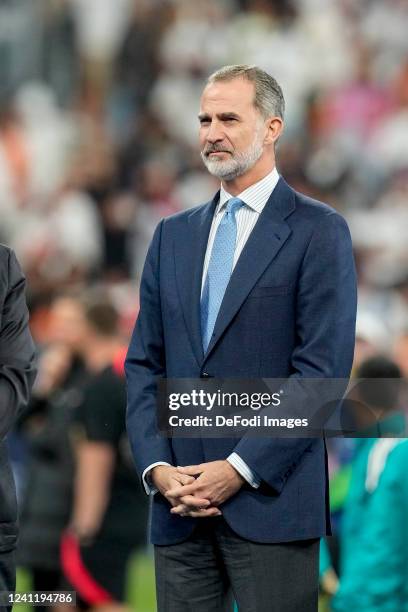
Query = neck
x=102 y=353
x=252 y=176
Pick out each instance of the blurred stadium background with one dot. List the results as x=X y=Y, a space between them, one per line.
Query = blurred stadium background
x=98 y=141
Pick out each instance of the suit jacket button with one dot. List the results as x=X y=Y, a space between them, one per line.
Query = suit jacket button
x=205 y=375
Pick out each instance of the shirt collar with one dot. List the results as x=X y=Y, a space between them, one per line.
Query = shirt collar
x=255 y=196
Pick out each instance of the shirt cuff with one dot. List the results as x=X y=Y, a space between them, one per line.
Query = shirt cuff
x=146 y=479
x=242 y=468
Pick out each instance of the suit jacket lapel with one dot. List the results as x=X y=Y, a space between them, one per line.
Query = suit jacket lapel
x=267 y=238
x=189 y=253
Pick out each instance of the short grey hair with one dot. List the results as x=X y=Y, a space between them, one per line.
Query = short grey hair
x=268 y=99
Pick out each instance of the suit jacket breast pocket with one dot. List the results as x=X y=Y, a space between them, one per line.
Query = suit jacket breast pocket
x=260 y=291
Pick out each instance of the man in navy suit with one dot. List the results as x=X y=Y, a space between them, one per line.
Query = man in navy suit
x=259 y=282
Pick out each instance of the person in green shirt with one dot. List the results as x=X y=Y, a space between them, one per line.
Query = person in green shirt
x=374 y=531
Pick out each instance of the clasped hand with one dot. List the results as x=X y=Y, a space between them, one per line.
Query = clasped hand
x=197 y=490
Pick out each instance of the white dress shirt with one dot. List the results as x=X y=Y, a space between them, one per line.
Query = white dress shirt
x=255 y=198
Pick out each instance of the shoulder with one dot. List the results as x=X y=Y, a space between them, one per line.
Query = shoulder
x=174 y=225
x=312 y=207
x=303 y=212
x=391 y=456
x=315 y=218
x=5 y=253
x=315 y=210
x=8 y=259
x=9 y=268
x=396 y=466
x=105 y=382
x=399 y=453
x=185 y=216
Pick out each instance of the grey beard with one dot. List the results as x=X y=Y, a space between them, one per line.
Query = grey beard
x=237 y=165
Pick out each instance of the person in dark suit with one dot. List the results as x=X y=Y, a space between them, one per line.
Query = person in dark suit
x=17 y=374
x=259 y=282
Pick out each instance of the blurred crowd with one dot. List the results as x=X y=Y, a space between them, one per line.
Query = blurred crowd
x=82 y=510
x=98 y=141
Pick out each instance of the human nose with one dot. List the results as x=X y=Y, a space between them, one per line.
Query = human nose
x=215 y=133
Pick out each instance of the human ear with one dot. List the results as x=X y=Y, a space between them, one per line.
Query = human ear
x=274 y=127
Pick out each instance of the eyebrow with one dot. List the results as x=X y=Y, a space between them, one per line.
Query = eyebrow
x=222 y=116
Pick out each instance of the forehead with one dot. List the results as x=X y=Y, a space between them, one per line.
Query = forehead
x=222 y=96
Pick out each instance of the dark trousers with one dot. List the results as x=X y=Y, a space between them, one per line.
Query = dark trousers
x=214 y=566
x=7 y=575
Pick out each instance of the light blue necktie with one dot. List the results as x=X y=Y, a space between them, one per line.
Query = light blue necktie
x=219 y=270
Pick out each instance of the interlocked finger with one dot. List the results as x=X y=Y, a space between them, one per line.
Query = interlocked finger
x=207 y=512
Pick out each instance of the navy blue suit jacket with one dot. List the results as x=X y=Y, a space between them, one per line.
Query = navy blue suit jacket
x=289 y=310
